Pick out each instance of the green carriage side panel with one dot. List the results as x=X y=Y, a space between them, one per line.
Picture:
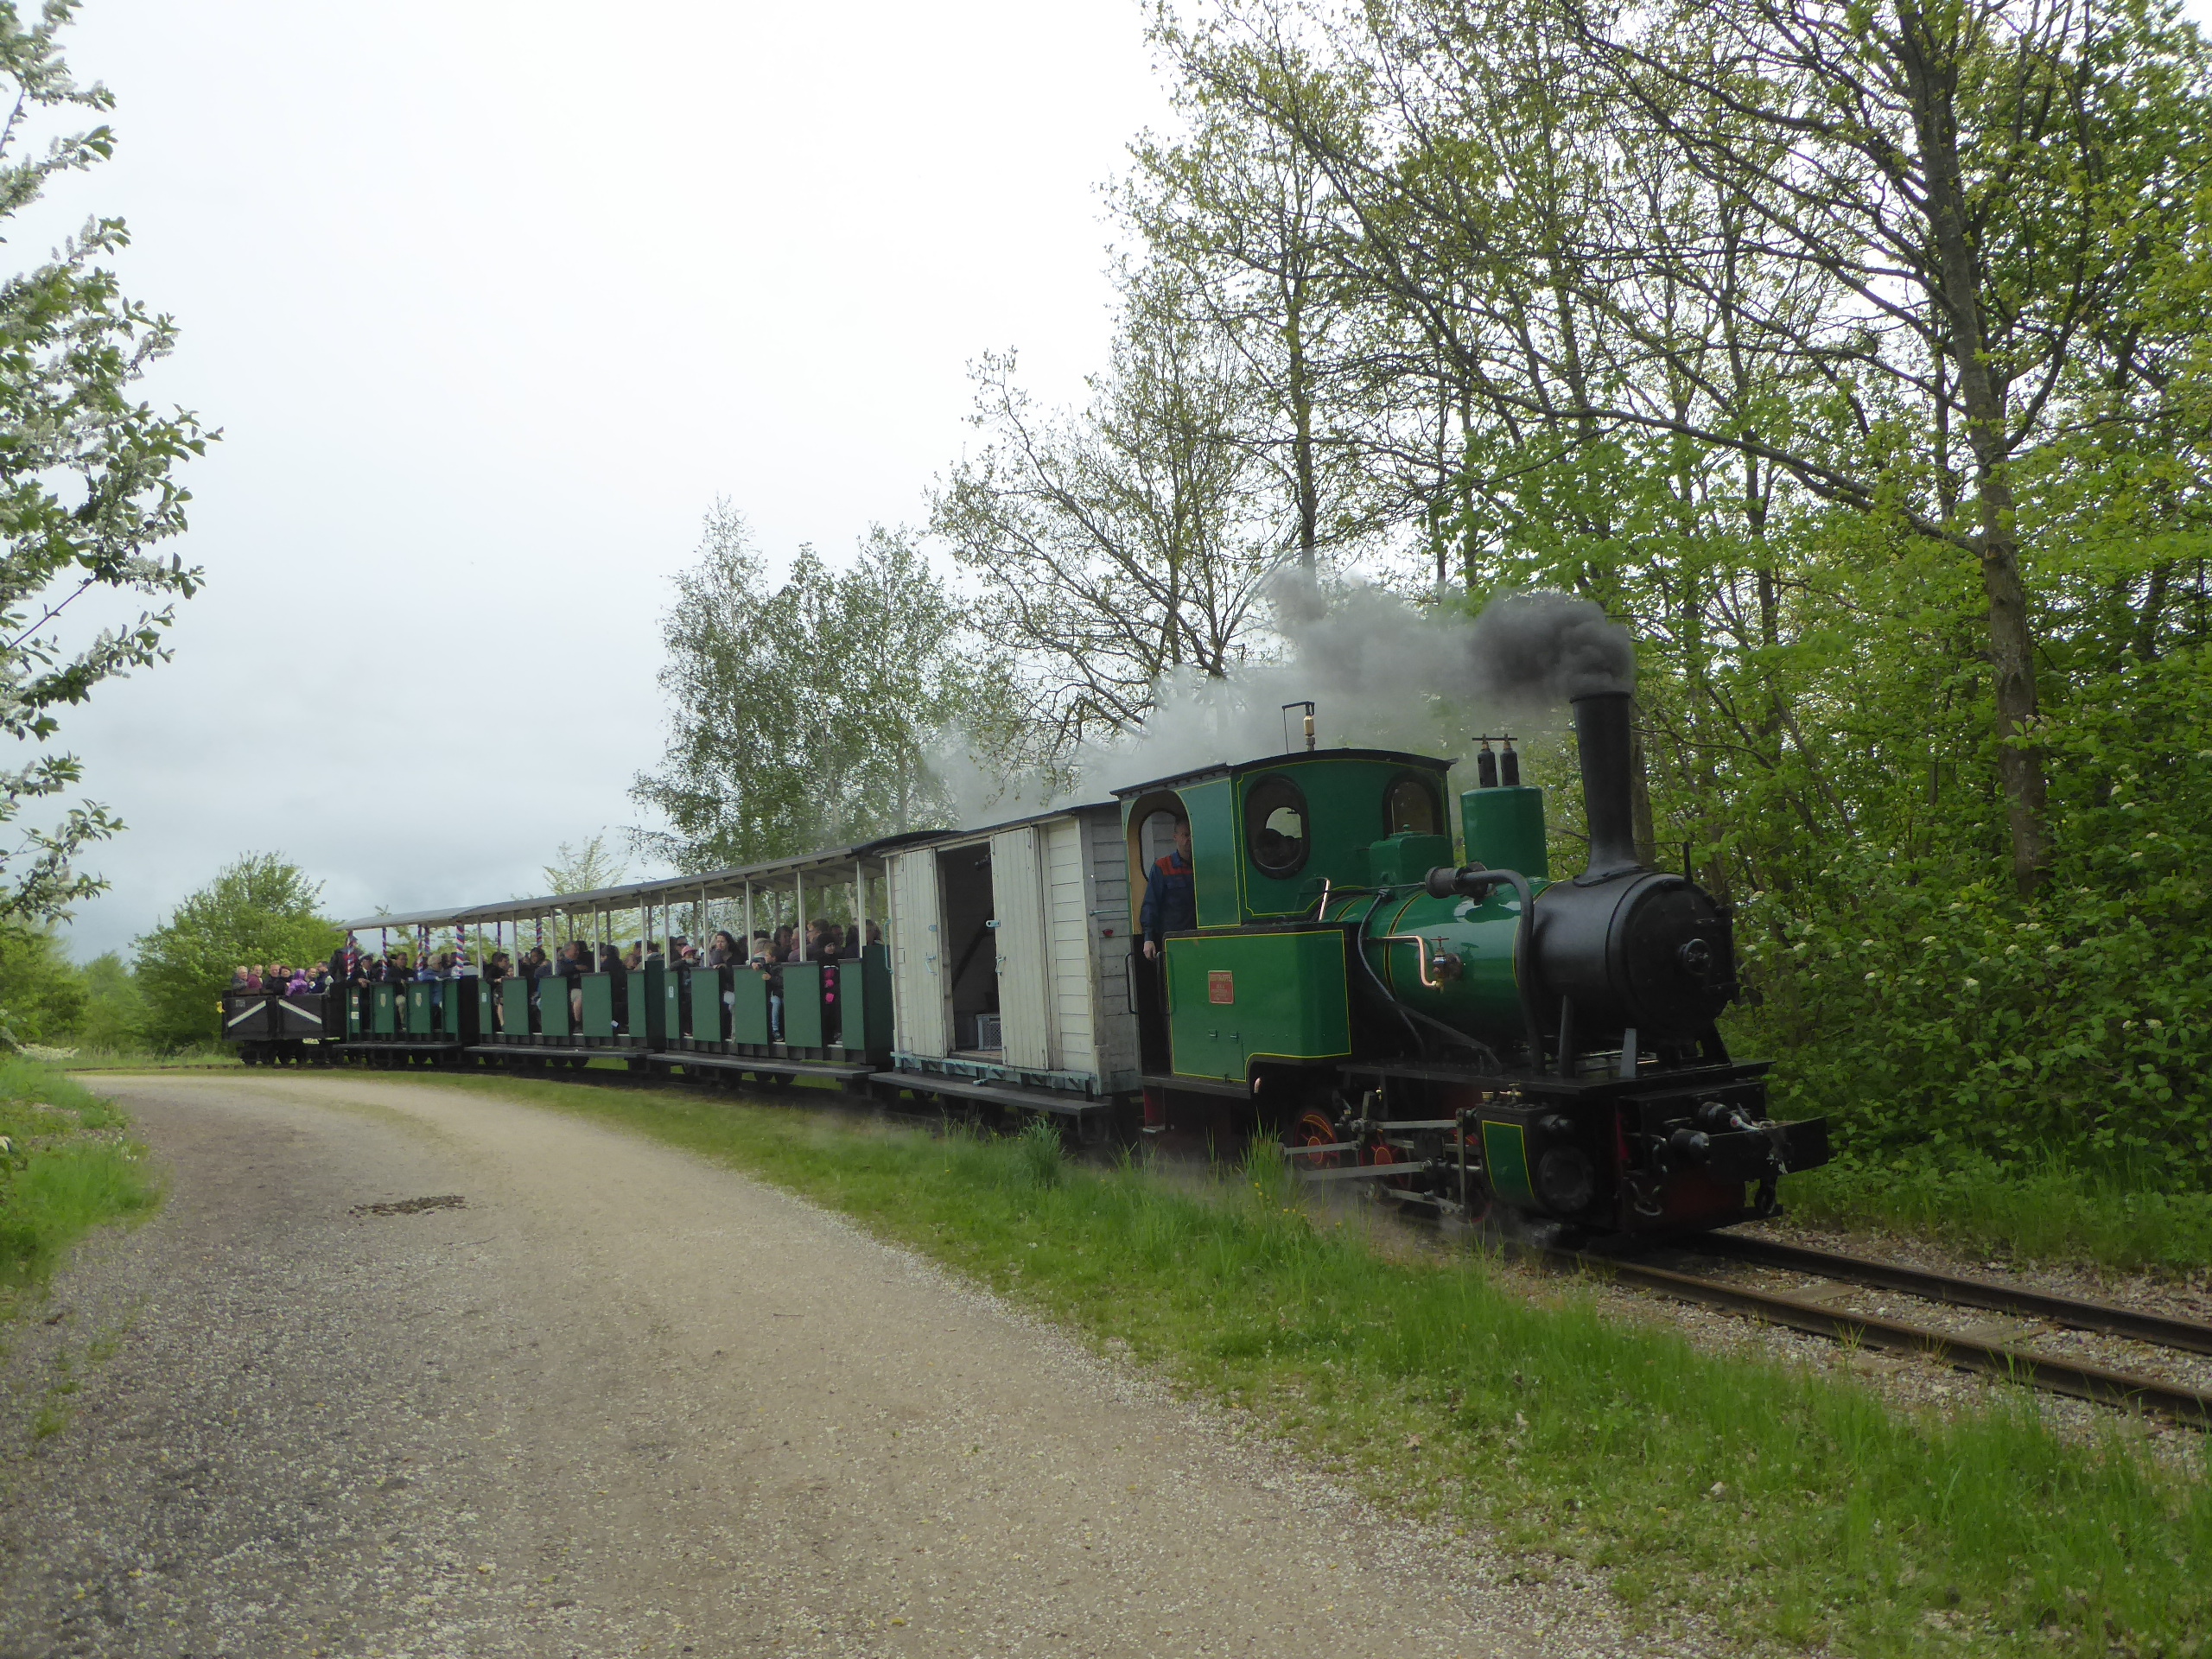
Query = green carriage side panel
x=706 y=986
x=481 y=992
x=599 y=1005
x=1235 y=998
x=384 y=1010
x=514 y=1000
x=803 y=1004
x=1215 y=855
x=419 y=1011
x=864 y=992
x=748 y=1013
x=355 y=996
x=553 y=1006
x=457 y=1016
x=1505 y=1157
x=674 y=1020
x=648 y=1005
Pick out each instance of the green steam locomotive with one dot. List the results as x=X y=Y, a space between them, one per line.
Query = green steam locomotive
x=1473 y=1036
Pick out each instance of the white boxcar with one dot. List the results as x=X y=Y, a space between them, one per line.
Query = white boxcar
x=1010 y=963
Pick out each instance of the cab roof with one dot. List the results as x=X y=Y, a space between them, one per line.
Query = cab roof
x=1266 y=763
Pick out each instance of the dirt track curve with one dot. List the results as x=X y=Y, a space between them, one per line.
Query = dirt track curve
x=624 y=1401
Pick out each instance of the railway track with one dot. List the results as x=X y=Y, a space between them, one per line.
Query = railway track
x=1992 y=1352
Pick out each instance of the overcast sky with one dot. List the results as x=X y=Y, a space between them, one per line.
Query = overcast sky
x=491 y=302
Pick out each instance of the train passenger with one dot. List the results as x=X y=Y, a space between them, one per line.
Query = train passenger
x=723 y=951
x=299 y=983
x=1170 y=900
x=572 y=966
x=239 y=977
x=611 y=964
x=496 y=971
x=653 y=957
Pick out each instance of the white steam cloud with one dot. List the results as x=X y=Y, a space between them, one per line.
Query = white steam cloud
x=1383 y=673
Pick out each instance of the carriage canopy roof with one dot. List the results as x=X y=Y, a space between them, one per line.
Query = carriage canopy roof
x=672 y=889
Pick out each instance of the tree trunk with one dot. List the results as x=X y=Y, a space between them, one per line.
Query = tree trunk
x=1301 y=416
x=1932 y=81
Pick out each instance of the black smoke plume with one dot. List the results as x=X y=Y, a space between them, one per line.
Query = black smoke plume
x=1538 y=650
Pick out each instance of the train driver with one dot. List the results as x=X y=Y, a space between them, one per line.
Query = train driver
x=1170 y=901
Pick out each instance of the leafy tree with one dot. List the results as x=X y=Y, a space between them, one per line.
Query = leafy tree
x=1131 y=540
x=114 y=1013
x=262 y=909
x=807 y=714
x=87 y=475
x=585 y=868
x=42 y=994
x=1858 y=358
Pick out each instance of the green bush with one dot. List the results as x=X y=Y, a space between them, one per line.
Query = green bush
x=1921 y=1003
x=43 y=994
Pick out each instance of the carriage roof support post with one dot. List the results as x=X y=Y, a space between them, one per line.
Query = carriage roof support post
x=744 y=944
x=799 y=904
x=859 y=906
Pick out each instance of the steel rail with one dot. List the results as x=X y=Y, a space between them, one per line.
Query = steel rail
x=2083 y=1381
x=2155 y=1328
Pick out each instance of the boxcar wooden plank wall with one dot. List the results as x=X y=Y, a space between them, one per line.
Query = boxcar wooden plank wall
x=1072 y=971
x=918 y=985
x=1111 y=911
x=1018 y=908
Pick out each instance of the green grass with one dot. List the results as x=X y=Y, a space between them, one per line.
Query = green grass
x=146 y=1060
x=71 y=1168
x=1787 y=1505
x=2123 y=1219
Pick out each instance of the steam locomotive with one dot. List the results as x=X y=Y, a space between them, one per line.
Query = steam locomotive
x=1474 y=1037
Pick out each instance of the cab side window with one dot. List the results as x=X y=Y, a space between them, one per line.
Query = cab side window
x=1274 y=826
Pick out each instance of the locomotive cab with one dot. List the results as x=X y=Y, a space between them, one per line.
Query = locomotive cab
x=1262 y=982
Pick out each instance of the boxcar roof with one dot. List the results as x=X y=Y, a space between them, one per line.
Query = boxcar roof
x=712 y=884
x=982 y=830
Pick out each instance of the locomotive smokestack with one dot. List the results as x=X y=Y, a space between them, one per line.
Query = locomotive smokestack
x=1601 y=733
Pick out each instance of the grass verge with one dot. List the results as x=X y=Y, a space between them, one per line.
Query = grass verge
x=1784 y=1505
x=69 y=1167
x=2123 y=1220
x=140 y=1059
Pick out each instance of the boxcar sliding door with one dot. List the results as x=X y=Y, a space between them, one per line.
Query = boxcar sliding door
x=1018 y=908
x=918 y=968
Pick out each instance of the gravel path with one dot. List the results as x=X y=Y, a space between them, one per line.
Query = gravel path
x=620 y=1400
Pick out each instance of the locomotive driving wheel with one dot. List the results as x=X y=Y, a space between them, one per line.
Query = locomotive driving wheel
x=1379 y=1152
x=1313 y=1128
